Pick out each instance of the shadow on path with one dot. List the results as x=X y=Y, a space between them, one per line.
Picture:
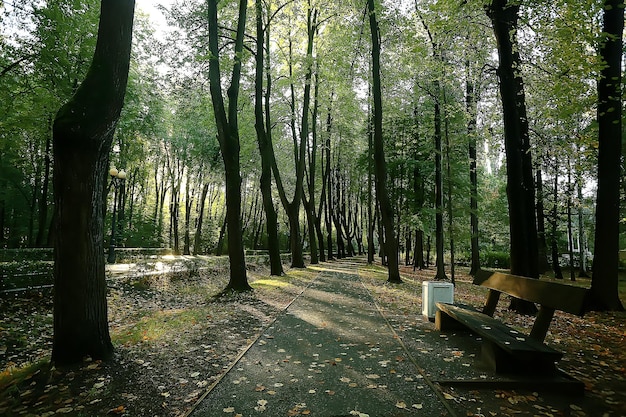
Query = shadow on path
x=330 y=354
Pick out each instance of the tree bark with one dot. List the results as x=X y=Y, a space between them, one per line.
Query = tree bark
x=382 y=195
x=188 y=204
x=370 y=183
x=556 y=267
x=439 y=241
x=228 y=137
x=82 y=135
x=542 y=246
x=197 y=239
x=309 y=204
x=570 y=231
x=520 y=185
x=470 y=108
x=581 y=231
x=43 y=201
x=604 y=283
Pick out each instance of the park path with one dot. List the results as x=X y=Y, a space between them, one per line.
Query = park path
x=330 y=354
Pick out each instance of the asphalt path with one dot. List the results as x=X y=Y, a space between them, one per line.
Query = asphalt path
x=330 y=354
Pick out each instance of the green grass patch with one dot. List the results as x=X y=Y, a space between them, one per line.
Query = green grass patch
x=269 y=283
x=159 y=325
x=12 y=377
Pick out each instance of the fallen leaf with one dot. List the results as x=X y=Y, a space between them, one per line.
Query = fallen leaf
x=117 y=410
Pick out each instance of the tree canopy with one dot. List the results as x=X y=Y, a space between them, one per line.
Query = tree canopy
x=441 y=100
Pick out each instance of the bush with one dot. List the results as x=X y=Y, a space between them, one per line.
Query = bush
x=495 y=259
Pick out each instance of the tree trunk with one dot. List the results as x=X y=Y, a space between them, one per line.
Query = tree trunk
x=309 y=204
x=570 y=231
x=520 y=186
x=470 y=107
x=228 y=137
x=83 y=133
x=439 y=241
x=299 y=144
x=391 y=245
x=582 y=239
x=43 y=201
x=328 y=213
x=542 y=246
x=219 y=248
x=264 y=139
x=450 y=211
x=370 y=173
x=188 y=205
x=418 y=257
x=556 y=267
x=604 y=284
x=197 y=239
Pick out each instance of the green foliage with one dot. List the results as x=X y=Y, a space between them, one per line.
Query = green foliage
x=494 y=259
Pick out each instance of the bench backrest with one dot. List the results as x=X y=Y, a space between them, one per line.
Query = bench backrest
x=550 y=294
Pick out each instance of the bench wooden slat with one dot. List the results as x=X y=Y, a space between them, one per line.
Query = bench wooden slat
x=552 y=294
x=510 y=340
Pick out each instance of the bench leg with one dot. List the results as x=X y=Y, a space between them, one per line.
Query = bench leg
x=499 y=361
x=445 y=322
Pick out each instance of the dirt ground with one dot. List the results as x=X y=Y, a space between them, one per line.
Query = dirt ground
x=173 y=340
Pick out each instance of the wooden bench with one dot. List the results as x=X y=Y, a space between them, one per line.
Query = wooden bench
x=505 y=350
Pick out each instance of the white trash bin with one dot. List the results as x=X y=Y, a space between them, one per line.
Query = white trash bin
x=435 y=292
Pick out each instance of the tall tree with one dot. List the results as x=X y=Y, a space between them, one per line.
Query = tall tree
x=82 y=134
x=380 y=170
x=299 y=142
x=504 y=15
x=228 y=137
x=604 y=283
x=471 y=103
x=263 y=131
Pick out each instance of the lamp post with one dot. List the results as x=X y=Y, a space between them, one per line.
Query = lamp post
x=117 y=179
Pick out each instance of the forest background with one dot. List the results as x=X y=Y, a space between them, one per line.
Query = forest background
x=435 y=54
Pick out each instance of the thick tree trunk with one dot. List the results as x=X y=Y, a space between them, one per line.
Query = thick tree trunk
x=228 y=137
x=520 y=185
x=604 y=283
x=83 y=133
x=390 y=242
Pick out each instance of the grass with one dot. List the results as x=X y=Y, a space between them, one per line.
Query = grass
x=13 y=377
x=269 y=283
x=159 y=325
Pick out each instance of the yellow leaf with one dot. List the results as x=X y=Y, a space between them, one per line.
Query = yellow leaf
x=401 y=404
